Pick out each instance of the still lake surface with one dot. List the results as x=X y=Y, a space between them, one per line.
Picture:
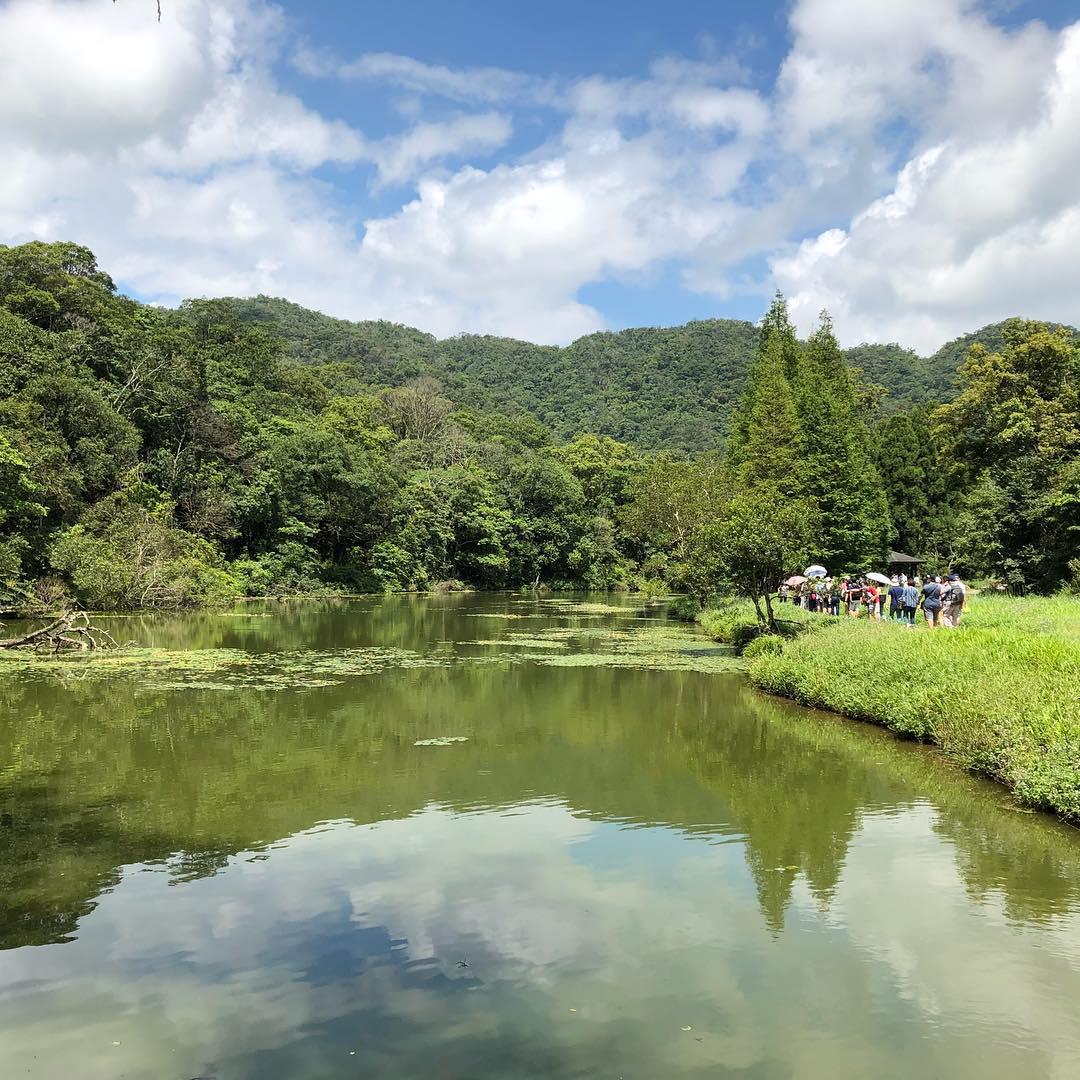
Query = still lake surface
x=499 y=837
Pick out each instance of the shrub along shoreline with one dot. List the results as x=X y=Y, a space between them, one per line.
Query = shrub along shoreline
x=1000 y=695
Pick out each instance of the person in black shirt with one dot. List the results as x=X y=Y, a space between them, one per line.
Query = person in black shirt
x=854 y=598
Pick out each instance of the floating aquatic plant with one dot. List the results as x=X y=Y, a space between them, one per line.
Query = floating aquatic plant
x=231 y=669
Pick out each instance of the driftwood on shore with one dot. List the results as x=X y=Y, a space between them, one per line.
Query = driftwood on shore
x=72 y=630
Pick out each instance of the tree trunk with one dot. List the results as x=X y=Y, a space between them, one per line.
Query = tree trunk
x=46 y=632
x=757 y=608
x=772 y=617
x=72 y=630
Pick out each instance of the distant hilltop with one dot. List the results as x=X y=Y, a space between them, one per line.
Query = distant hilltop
x=658 y=387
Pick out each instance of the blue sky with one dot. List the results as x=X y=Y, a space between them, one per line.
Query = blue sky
x=547 y=170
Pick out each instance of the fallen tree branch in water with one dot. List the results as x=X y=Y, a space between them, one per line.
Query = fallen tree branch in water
x=72 y=630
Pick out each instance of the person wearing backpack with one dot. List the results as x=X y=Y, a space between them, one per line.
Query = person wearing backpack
x=931 y=603
x=853 y=598
x=953 y=606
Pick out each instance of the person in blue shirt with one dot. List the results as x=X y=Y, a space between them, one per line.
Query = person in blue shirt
x=895 y=606
x=909 y=601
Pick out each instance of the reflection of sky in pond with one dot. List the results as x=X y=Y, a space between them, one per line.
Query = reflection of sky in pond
x=589 y=947
x=618 y=852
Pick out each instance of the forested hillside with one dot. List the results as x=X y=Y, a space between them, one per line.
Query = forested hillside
x=668 y=388
x=153 y=457
x=659 y=388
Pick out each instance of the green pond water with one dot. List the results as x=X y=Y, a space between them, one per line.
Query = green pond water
x=498 y=837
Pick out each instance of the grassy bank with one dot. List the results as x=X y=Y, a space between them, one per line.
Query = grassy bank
x=1001 y=694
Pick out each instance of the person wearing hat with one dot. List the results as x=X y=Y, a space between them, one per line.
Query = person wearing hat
x=955 y=600
x=909 y=601
x=896 y=608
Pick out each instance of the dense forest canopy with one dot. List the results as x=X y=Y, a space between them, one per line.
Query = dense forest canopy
x=153 y=457
x=669 y=388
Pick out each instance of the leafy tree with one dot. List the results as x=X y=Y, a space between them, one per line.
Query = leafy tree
x=669 y=502
x=777 y=355
x=19 y=512
x=913 y=477
x=128 y=553
x=750 y=549
x=53 y=286
x=180 y=455
x=1013 y=438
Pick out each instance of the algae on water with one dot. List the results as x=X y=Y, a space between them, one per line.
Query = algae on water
x=226 y=669
x=631 y=642
x=659 y=648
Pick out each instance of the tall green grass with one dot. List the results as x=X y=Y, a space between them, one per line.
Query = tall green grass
x=735 y=622
x=1001 y=694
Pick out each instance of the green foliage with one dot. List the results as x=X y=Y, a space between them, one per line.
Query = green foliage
x=668 y=502
x=769 y=455
x=127 y=553
x=655 y=387
x=999 y=693
x=770 y=374
x=19 y=512
x=836 y=464
x=751 y=547
x=1012 y=437
x=658 y=388
x=292 y=453
x=762 y=645
x=914 y=480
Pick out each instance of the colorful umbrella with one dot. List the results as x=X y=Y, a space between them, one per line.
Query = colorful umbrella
x=796 y=580
x=816 y=571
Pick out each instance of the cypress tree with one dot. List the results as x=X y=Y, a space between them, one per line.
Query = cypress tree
x=777 y=323
x=769 y=457
x=767 y=395
x=839 y=471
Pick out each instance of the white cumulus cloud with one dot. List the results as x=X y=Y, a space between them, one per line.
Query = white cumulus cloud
x=976 y=227
x=912 y=168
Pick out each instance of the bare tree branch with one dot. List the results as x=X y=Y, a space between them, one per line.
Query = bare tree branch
x=73 y=630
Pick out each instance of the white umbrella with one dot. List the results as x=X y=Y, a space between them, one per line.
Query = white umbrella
x=881 y=579
x=815 y=571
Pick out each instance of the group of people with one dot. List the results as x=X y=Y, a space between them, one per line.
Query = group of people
x=942 y=602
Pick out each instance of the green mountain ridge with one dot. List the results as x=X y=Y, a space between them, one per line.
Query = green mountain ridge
x=657 y=387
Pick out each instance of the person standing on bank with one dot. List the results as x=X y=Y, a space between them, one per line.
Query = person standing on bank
x=896 y=591
x=870 y=595
x=953 y=607
x=931 y=603
x=909 y=602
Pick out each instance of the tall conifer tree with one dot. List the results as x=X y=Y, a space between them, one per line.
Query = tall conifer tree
x=770 y=456
x=764 y=439
x=837 y=464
